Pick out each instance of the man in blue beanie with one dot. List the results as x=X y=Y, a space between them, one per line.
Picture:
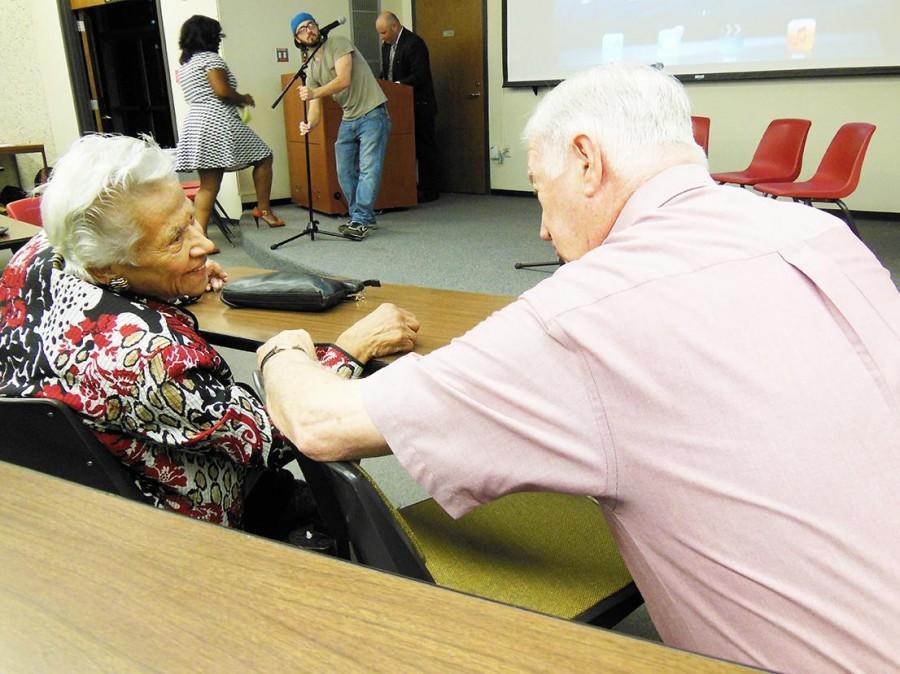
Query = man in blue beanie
x=339 y=70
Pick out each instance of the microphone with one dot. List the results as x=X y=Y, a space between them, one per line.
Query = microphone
x=324 y=30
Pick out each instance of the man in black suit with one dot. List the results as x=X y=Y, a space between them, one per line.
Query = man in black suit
x=404 y=59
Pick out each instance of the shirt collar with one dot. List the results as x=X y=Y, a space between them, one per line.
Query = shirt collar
x=660 y=189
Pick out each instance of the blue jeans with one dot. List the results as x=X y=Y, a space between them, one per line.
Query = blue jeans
x=359 y=153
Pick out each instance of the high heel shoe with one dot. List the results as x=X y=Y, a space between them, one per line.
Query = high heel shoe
x=267 y=217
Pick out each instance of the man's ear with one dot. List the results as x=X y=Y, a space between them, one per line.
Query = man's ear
x=590 y=156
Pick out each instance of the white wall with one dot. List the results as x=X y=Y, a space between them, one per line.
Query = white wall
x=36 y=105
x=173 y=14
x=249 y=49
x=740 y=112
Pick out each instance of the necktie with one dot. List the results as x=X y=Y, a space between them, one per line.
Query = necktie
x=391 y=61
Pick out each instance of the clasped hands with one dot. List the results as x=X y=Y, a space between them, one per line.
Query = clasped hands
x=386 y=330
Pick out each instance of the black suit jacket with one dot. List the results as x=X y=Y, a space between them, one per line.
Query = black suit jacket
x=411 y=66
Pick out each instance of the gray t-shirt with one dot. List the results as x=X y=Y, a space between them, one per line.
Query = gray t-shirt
x=363 y=94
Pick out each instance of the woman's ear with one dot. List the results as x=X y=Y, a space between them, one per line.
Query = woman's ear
x=590 y=156
x=102 y=275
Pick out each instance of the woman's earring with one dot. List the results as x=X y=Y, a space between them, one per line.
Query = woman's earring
x=118 y=284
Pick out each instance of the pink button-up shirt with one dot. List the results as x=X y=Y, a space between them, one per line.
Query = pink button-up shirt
x=723 y=374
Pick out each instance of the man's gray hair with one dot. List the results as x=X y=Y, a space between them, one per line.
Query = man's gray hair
x=86 y=207
x=636 y=113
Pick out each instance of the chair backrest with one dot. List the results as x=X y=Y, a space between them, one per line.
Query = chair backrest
x=701 y=132
x=842 y=162
x=779 y=155
x=26 y=210
x=46 y=435
x=356 y=511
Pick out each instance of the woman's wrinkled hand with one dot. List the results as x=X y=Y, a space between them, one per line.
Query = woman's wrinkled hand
x=216 y=277
x=388 y=329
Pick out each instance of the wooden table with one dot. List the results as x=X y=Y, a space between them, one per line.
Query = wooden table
x=443 y=315
x=93 y=582
x=17 y=234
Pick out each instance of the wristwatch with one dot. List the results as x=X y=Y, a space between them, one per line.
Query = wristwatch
x=276 y=350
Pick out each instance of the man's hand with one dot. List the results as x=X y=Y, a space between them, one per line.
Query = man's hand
x=304 y=128
x=388 y=329
x=306 y=93
x=287 y=339
x=215 y=276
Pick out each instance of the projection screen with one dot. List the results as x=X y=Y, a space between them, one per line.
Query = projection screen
x=547 y=40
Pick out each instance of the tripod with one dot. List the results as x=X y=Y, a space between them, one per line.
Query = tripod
x=312 y=225
x=526 y=265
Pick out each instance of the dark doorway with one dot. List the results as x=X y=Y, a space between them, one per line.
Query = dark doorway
x=123 y=85
x=456 y=44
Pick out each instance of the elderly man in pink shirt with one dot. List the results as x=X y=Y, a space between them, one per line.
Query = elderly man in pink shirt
x=721 y=371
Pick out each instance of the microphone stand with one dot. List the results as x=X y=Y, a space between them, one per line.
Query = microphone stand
x=312 y=225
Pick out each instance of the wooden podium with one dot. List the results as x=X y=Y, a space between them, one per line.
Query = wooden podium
x=398 y=179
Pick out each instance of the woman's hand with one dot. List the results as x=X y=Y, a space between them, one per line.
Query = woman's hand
x=248 y=100
x=215 y=276
x=388 y=329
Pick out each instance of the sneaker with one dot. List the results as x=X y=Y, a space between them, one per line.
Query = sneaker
x=355 y=230
x=343 y=228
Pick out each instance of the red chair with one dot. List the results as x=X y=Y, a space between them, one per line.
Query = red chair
x=838 y=172
x=26 y=210
x=218 y=216
x=778 y=156
x=701 y=132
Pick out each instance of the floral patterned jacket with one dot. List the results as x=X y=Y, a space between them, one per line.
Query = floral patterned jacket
x=143 y=380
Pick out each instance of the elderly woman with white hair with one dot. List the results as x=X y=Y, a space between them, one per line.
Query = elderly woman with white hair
x=92 y=316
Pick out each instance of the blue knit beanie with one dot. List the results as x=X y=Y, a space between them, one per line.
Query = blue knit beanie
x=300 y=18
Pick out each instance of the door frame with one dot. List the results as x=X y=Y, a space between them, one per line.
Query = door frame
x=485 y=93
x=78 y=67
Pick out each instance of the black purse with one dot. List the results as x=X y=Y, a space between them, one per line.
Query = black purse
x=292 y=291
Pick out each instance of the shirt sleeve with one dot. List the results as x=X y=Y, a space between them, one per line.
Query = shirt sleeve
x=214 y=62
x=505 y=408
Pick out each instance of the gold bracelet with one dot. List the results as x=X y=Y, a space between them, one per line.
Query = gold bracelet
x=279 y=349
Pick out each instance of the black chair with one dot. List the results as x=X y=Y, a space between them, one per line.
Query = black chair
x=46 y=435
x=550 y=553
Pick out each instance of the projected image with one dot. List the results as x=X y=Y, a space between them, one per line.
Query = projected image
x=691 y=36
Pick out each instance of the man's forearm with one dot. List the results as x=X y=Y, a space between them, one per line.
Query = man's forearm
x=321 y=413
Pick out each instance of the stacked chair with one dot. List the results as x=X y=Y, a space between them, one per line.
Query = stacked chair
x=218 y=216
x=26 y=210
x=700 y=126
x=837 y=175
x=778 y=157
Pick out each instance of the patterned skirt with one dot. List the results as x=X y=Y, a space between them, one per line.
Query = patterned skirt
x=214 y=137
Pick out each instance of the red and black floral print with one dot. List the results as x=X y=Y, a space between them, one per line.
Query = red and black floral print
x=140 y=376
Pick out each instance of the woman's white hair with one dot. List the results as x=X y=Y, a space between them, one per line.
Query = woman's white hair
x=87 y=208
x=637 y=114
